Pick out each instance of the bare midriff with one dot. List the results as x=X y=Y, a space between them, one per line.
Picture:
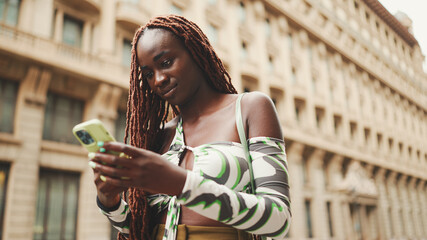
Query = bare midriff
x=189 y=217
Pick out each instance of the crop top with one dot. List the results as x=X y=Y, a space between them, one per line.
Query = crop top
x=217 y=188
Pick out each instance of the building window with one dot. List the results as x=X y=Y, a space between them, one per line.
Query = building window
x=174 y=9
x=310 y=54
x=56 y=207
x=290 y=42
x=320 y=114
x=61 y=115
x=72 y=31
x=4 y=174
x=9 y=11
x=120 y=125
x=337 y=124
x=328 y=209
x=267 y=28
x=305 y=171
x=299 y=110
x=126 y=52
x=270 y=64
x=294 y=77
x=277 y=98
x=353 y=129
x=242 y=12
x=313 y=84
x=379 y=141
x=8 y=94
x=244 y=51
x=390 y=144
x=212 y=34
x=367 y=136
x=308 y=218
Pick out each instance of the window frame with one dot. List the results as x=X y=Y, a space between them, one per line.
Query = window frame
x=52 y=176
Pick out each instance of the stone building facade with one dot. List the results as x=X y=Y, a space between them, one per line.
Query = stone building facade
x=345 y=75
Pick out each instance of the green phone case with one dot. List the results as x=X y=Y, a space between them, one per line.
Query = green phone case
x=91 y=132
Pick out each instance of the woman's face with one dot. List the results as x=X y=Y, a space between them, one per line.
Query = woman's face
x=168 y=67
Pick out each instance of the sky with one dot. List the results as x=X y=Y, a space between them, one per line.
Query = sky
x=416 y=10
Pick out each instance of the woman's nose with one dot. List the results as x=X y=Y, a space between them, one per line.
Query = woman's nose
x=160 y=79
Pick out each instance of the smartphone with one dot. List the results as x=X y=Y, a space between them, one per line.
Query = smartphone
x=89 y=133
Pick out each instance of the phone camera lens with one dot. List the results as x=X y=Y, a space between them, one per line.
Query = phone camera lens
x=85 y=137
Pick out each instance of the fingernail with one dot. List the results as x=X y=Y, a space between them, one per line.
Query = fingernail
x=92 y=164
x=102 y=150
x=91 y=155
x=100 y=143
x=103 y=178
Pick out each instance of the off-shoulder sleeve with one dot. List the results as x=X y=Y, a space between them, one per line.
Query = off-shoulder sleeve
x=266 y=213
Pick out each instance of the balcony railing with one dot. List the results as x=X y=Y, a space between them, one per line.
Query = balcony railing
x=62 y=56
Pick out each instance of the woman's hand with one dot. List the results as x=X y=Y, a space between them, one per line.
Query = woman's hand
x=108 y=194
x=141 y=169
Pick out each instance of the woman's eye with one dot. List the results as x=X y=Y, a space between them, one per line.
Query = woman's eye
x=147 y=75
x=166 y=63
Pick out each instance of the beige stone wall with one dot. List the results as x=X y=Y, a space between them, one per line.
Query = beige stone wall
x=350 y=93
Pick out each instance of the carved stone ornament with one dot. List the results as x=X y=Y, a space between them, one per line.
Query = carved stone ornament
x=357 y=182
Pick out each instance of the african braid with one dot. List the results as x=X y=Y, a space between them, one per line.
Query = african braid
x=147 y=112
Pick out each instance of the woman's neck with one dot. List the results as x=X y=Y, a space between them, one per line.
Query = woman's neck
x=203 y=105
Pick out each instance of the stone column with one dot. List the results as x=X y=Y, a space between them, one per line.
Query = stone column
x=304 y=81
x=107 y=29
x=232 y=30
x=347 y=219
x=22 y=187
x=289 y=107
x=319 y=213
x=407 y=207
x=334 y=172
x=416 y=210
x=260 y=46
x=364 y=221
x=87 y=30
x=383 y=205
x=41 y=24
x=294 y=154
x=422 y=199
x=395 y=205
x=25 y=15
x=59 y=22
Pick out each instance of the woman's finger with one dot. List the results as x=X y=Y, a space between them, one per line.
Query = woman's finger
x=112 y=160
x=129 y=150
x=116 y=182
x=114 y=172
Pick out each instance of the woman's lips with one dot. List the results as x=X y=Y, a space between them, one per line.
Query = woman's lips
x=169 y=92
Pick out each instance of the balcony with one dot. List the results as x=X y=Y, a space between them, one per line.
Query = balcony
x=86 y=6
x=58 y=55
x=130 y=15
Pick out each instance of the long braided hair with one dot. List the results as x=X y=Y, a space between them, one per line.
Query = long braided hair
x=147 y=113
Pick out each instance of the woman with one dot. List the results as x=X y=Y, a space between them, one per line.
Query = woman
x=188 y=178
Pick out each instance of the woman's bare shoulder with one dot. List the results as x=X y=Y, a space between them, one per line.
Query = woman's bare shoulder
x=261 y=116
